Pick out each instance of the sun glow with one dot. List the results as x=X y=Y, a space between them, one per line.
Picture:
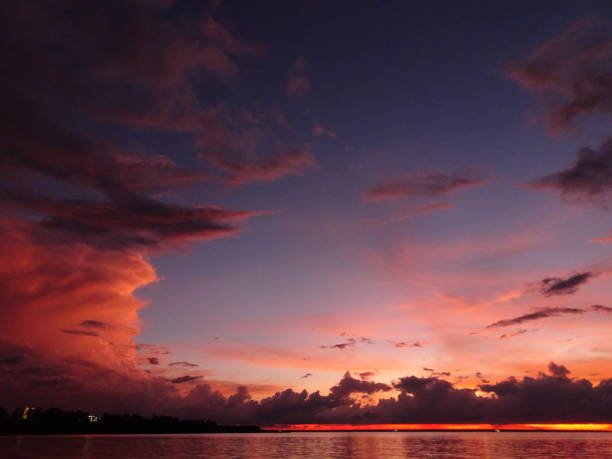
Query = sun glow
x=445 y=427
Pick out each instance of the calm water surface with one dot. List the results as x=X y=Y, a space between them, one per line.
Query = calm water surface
x=315 y=445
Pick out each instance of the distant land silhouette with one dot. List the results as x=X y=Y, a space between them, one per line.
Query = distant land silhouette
x=29 y=420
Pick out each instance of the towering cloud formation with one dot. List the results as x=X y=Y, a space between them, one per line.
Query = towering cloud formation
x=81 y=214
x=572 y=72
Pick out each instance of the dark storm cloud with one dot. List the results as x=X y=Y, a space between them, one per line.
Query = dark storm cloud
x=571 y=72
x=184 y=379
x=414 y=384
x=129 y=221
x=542 y=313
x=558 y=370
x=349 y=385
x=588 y=180
x=552 y=397
x=564 y=286
x=138 y=59
x=427 y=184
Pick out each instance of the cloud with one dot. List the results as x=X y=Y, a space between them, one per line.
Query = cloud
x=349 y=385
x=80 y=332
x=421 y=210
x=183 y=364
x=287 y=161
x=152 y=349
x=601 y=308
x=82 y=214
x=233 y=144
x=298 y=84
x=437 y=374
x=558 y=370
x=76 y=383
x=352 y=341
x=96 y=324
x=571 y=72
x=565 y=286
x=588 y=180
x=184 y=379
x=405 y=344
x=319 y=130
x=516 y=333
x=427 y=184
x=366 y=375
x=153 y=360
x=541 y=313
x=306 y=375
x=603 y=240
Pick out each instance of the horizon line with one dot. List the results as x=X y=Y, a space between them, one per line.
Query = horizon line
x=539 y=427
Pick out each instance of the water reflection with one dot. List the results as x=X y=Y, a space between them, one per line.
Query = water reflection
x=455 y=445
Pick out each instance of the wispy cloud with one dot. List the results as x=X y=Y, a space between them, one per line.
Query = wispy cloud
x=406 y=344
x=542 y=313
x=352 y=341
x=426 y=184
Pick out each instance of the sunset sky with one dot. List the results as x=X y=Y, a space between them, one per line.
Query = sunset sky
x=206 y=203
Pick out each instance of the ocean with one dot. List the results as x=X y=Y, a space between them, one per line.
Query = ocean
x=366 y=445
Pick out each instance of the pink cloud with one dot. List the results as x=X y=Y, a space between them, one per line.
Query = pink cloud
x=428 y=184
x=288 y=161
x=319 y=130
x=420 y=210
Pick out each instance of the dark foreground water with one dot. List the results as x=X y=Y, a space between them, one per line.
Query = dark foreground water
x=315 y=445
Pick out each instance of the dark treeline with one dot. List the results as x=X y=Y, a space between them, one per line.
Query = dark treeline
x=57 y=421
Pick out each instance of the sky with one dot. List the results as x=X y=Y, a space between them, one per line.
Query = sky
x=308 y=212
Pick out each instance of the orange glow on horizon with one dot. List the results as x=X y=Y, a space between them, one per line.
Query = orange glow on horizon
x=447 y=427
